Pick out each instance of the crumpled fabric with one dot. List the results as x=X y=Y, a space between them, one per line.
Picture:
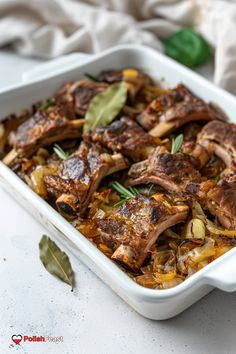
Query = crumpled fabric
x=50 y=28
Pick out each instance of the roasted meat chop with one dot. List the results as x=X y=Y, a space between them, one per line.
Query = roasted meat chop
x=220 y=138
x=220 y=200
x=135 y=79
x=77 y=95
x=80 y=176
x=127 y=137
x=133 y=228
x=172 y=110
x=174 y=172
x=42 y=129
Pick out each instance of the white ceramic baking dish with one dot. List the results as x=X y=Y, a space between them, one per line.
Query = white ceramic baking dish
x=153 y=304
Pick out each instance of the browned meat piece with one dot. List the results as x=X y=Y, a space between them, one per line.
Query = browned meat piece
x=172 y=110
x=134 y=78
x=191 y=147
x=220 y=200
x=80 y=176
x=173 y=172
x=10 y=123
x=228 y=175
x=200 y=149
x=213 y=168
x=127 y=137
x=202 y=153
x=44 y=128
x=110 y=76
x=79 y=94
x=121 y=229
x=220 y=138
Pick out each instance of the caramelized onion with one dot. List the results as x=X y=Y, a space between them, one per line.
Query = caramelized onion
x=214 y=229
x=195 y=229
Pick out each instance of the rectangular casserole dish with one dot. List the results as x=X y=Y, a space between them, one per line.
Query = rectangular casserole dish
x=153 y=304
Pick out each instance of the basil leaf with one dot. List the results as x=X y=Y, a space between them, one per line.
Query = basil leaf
x=55 y=260
x=105 y=106
x=187 y=47
x=176 y=143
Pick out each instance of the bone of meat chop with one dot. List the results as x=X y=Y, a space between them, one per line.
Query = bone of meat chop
x=202 y=152
x=174 y=172
x=80 y=176
x=127 y=137
x=172 y=110
x=134 y=227
x=42 y=129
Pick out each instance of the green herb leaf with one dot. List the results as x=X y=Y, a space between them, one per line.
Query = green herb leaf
x=150 y=189
x=187 y=47
x=125 y=194
x=177 y=143
x=121 y=202
x=55 y=260
x=133 y=190
x=91 y=77
x=48 y=104
x=105 y=106
x=217 y=178
x=60 y=152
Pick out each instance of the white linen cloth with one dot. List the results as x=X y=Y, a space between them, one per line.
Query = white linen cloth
x=49 y=28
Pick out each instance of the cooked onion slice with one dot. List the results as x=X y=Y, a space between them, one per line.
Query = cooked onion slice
x=195 y=229
x=217 y=230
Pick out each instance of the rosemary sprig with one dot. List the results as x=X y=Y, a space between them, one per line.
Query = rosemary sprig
x=150 y=189
x=46 y=105
x=91 y=77
x=60 y=152
x=133 y=190
x=177 y=143
x=125 y=193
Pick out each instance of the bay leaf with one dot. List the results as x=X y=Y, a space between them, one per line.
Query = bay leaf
x=105 y=106
x=55 y=260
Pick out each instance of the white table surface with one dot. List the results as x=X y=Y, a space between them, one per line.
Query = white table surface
x=92 y=320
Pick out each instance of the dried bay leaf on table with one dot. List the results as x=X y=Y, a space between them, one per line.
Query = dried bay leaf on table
x=55 y=260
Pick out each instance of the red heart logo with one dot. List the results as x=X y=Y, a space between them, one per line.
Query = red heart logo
x=16 y=338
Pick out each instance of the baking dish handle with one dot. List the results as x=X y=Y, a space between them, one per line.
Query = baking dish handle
x=54 y=66
x=223 y=274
